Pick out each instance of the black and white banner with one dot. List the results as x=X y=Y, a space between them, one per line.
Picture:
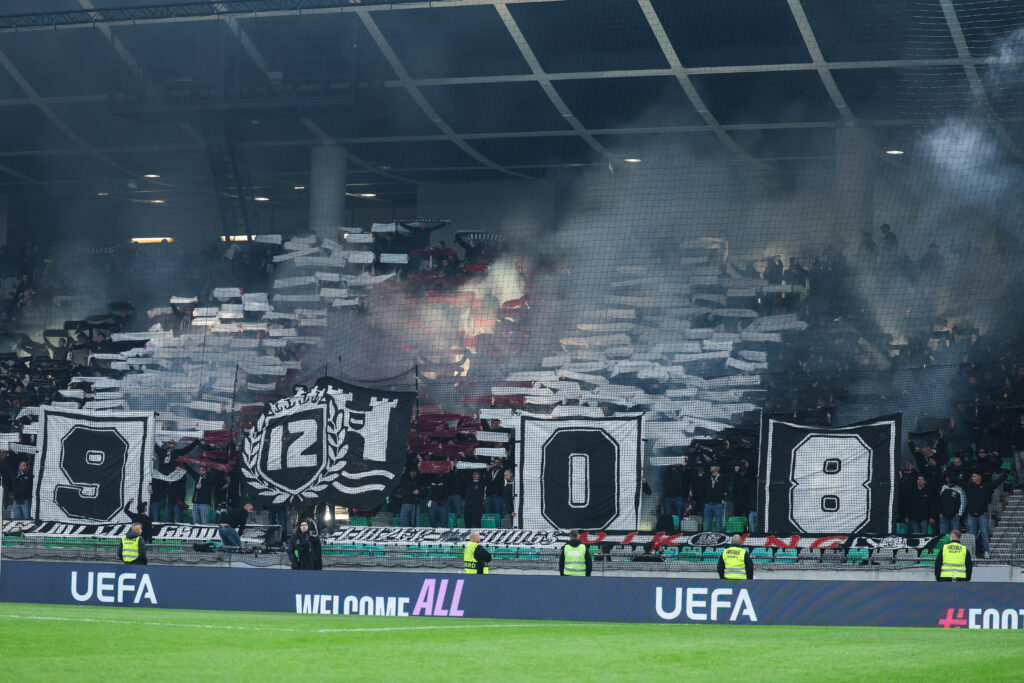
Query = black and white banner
x=337 y=442
x=579 y=473
x=815 y=480
x=90 y=464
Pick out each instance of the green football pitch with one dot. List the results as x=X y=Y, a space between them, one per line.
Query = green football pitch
x=47 y=642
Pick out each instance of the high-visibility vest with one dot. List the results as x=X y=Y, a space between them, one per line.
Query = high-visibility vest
x=469 y=559
x=735 y=562
x=575 y=560
x=954 y=561
x=129 y=549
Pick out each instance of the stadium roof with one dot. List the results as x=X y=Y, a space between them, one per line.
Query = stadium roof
x=455 y=90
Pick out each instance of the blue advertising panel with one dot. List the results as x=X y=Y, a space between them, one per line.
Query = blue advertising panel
x=686 y=600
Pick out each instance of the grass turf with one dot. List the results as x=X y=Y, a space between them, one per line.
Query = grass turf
x=53 y=642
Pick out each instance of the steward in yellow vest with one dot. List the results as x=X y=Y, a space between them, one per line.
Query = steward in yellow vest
x=574 y=559
x=475 y=557
x=954 y=563
x=133 y=548
x=735 y=562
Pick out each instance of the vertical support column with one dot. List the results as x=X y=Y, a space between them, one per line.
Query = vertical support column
x=855 y=189
x=328 y=166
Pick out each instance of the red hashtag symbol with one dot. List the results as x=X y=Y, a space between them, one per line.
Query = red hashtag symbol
x=950 y=622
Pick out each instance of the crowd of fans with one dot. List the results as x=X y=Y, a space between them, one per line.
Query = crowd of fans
x=818 y=375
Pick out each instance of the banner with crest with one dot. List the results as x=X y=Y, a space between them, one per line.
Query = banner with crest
x=334 y=442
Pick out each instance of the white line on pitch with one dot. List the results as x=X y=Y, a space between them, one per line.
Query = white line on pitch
x=439 y=627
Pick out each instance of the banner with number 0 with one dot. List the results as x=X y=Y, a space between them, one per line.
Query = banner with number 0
x=579 y=473
x=814 y=480
x=90 y=463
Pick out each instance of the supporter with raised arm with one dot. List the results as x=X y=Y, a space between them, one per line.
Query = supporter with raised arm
x=140 y=517
x=165 y=473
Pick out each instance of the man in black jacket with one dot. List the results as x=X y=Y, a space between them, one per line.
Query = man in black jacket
x=986 y=464
x=952 y=504
x=409 y=494
x=716 y=488
x=142 y=518
x=922 y=506
x=675 y=485
x=21 y=492
x=474 y=494
x=508 y=497
x=979 y=495
x=232 y=524
x=744 y=493
x=8 y=470
x=202 y=496
x=960 y=472
x=495 y=482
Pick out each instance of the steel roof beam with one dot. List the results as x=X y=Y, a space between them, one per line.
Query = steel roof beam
x=417 y=95
x=682 y=74
x=818 y=60
x=973 y=79
x=206 y=11
x=545 y=83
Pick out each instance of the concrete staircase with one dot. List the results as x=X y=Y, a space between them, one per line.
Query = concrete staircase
x=1011 y=521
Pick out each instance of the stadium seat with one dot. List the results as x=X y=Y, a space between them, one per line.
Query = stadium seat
x=882 y=556
x=690 y=553
x=809 y=555
x=902 y=528
x=504 y=553
x=675 y=522
x=530 y=553
x=490 y=521
x=396 y=520
x=928 y=557
x=857 y=556
x=905 y=556
x=424 y=520
x=785 y=556
x=711 y=554
x=833 y=556
x=691 y=524
x=735 y=525
x=453 y=520
x=359 y=521
x=762 y=555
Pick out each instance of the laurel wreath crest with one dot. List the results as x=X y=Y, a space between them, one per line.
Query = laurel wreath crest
x=334 y=433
